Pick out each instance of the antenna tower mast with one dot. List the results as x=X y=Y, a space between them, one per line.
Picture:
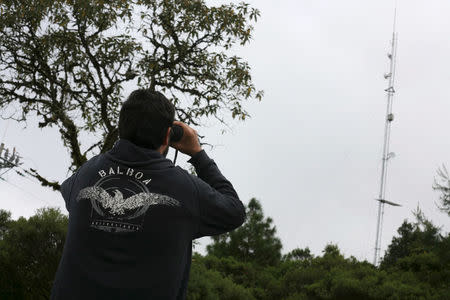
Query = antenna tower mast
x=8 y=160
x=390 y=91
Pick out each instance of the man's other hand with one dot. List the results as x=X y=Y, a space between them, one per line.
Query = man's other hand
x=189 y=143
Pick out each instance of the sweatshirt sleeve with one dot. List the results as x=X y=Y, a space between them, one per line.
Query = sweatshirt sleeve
x=220 y=209
x=66 y=189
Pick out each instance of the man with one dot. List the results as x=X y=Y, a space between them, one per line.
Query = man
x=133 y=214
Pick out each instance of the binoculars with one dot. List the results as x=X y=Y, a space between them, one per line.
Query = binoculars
x=176 y=133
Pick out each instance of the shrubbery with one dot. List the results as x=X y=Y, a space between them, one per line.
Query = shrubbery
x=247 y=263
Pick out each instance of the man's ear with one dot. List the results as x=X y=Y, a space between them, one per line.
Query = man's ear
x=167 y=138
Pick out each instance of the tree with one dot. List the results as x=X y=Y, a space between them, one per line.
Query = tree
x=207 y=283
x=442 y=184
x=255 y=241
x=30 y=250
x=418 y=237
x=298 y=254
x=5 y=220
x=67 y=62
x=422 y=250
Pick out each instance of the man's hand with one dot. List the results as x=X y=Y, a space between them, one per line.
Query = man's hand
x=189 y=143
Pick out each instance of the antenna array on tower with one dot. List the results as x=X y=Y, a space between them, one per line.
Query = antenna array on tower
x=8 y=159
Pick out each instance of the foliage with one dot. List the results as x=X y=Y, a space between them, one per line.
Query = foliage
x=68 y=62
x=209 y=284
x=30 y=250
x=442 y=184
x=416 y=265
x=421 y=251
x=414 y=238
x=255 y=241
x=5 y=220
x=299 y=254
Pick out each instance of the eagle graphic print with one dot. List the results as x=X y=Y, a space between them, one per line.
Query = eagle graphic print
x=120 y=201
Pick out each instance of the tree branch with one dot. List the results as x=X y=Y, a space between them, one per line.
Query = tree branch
x=45 y=182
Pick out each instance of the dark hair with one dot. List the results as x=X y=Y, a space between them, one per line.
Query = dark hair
x=145 y=117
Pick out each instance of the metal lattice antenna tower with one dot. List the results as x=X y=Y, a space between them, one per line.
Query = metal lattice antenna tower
x=8 y=160
x=390 y=91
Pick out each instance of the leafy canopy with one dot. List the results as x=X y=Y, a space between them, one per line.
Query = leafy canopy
x=416 y=266
x=30 y=250
x=255 y=241
x=442 y=184
x=68 y=62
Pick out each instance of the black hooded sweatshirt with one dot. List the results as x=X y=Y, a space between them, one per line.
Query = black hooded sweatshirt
x=132 y=218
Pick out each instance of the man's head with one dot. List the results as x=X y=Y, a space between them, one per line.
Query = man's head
x=145 y=118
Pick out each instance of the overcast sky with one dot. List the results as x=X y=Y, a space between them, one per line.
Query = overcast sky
x=311 y=153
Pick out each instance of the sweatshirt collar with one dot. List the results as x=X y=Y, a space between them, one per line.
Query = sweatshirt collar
x=126 y=152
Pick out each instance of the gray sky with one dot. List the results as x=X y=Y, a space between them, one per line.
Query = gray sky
x=311 y=153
